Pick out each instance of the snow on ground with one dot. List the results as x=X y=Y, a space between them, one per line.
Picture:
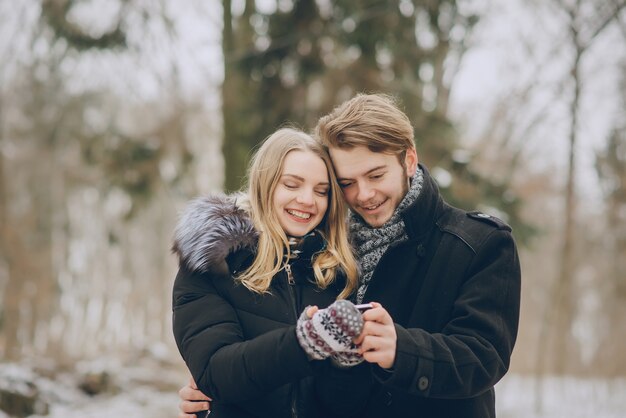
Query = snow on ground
x=145 y=389
x=140 y=402
x=149 y=390
x=562 y=398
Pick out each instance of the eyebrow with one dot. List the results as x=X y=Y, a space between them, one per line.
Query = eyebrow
x=370 y=171
x=323 y=183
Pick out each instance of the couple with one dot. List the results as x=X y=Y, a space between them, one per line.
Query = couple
x=263 y=312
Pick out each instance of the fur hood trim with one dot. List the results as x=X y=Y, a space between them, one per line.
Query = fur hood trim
x=212 y=227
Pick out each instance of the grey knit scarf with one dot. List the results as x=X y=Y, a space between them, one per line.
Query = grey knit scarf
x=371 y=243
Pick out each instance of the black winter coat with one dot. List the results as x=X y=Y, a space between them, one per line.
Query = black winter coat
x=241 y=347
x=453 y=290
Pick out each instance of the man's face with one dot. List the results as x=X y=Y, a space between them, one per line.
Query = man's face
x=373 y=183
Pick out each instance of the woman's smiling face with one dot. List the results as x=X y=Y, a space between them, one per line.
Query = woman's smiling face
x=301 y=195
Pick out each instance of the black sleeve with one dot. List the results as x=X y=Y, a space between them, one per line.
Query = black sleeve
x=342 y=392
x=473 y=351
x=210 y=340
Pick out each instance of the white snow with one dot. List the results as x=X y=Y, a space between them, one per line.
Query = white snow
x=568 y=397
x=147 y=389
x=150 y=391
x=141 y=401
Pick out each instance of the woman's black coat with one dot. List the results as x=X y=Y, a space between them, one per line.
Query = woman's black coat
x=241 y=347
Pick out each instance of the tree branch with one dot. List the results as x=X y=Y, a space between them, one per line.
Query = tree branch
x=619 y=6
x=55 y=13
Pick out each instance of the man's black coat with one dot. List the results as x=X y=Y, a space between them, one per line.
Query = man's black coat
x=453 y=290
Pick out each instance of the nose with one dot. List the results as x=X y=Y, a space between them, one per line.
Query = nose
x=364 y=192
x=305 y=197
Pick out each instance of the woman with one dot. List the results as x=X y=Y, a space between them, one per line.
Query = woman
x=249 y=264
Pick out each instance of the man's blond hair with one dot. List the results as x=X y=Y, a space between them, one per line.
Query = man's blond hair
x=371 y=120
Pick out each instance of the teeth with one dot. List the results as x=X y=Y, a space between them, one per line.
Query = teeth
x=372 y=207
x=299 y=214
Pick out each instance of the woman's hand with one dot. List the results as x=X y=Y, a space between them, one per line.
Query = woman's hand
x=311 y=311
x=377 y=342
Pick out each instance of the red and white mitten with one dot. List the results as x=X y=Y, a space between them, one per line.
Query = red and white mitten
x=330 y=332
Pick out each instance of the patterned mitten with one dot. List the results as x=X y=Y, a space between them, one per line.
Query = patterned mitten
x=347 y=358
x=331 y=331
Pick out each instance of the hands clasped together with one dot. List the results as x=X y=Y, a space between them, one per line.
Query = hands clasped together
x=330 y=333
x=348 y=337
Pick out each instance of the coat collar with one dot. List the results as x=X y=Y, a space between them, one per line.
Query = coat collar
x=210 y=229
x=216 y=233
x=420 y=217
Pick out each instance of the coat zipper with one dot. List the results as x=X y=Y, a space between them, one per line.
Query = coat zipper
x=290 y=279
x=290 y=283
x=294 y=399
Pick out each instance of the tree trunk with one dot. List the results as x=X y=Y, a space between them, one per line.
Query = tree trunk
x=563 y=296
x=4 y=248
x=229 y=96
x=557 y=324
x=238 y=105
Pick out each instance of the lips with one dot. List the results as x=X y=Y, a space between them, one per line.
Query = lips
x=371 y=208
x=299 y=215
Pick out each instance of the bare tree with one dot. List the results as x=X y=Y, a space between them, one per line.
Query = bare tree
x=586 y=20
x=611 y=167
x=25 y=227
x=75 y=155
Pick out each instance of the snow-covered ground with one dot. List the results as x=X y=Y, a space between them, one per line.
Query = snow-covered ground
x=145 y=389
x=562 y=398
x=140 y=402
x=150 y=391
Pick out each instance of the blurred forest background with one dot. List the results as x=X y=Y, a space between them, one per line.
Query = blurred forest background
x=114 y=113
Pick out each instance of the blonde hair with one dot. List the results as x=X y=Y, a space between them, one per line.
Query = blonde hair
x=371 y=120
x=263 y=175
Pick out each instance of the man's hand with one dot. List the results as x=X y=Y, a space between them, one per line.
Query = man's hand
x=192 y=400
x=377 y=342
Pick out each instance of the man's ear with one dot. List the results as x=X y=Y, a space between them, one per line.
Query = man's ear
x=410 y=161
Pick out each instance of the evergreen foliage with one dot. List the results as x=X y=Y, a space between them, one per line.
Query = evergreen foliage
x=296 y=63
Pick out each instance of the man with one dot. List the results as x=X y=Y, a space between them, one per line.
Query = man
x=446 y=282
